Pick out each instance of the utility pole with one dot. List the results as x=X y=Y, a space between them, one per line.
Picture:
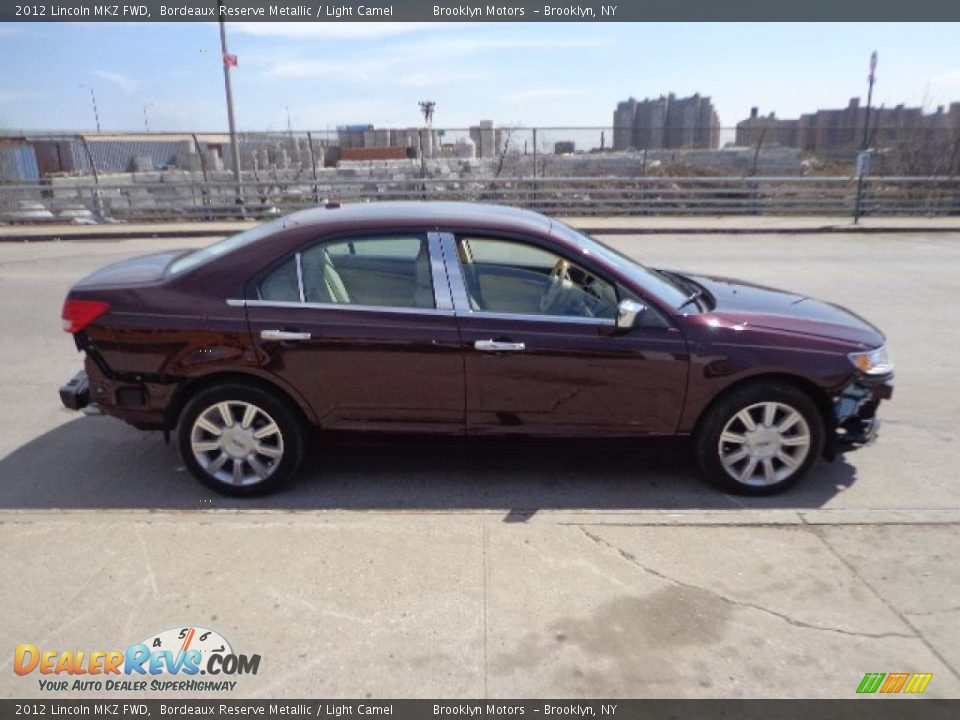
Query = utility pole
x=289 y=126
x=871 y=78
x=146 y=125
x=863 y=157
x=93 y=99
x=229 y=60
x=426 y=107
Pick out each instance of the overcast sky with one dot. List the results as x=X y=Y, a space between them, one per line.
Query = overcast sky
x=557 y=74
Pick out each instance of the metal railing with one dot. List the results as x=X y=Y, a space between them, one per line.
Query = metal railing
x=192 y=199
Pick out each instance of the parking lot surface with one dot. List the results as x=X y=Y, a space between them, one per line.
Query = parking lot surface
x=462 y=571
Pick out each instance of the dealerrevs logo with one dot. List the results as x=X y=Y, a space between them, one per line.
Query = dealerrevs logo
x=171 y=660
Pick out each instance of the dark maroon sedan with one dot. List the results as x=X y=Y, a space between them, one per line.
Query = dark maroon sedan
x=458 y=319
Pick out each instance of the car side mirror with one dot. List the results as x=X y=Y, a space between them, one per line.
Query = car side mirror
x=627 y=313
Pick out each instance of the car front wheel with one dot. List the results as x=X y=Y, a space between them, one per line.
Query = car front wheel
x=239 y=439
x=759 y=439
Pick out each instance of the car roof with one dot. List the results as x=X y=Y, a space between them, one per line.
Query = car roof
x=427 y=213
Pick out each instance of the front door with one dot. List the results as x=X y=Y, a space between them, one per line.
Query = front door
x=364 y=329
x=541 y=353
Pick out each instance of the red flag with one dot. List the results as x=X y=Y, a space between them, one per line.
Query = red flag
x=229 y=60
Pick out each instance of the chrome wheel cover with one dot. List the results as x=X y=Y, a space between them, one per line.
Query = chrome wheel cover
x=236 y=443
x=764 y=444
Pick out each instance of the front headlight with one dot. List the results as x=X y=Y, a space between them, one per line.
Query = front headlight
x=872 y=362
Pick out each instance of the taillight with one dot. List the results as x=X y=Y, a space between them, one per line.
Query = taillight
x=77 y=314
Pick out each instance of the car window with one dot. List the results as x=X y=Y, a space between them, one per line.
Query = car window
x=281 y=284
x=507 y=276
x=199 y=257
x=389 y=271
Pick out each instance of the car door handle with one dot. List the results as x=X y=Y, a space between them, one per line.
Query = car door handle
x=283 y=335
x=498 y=346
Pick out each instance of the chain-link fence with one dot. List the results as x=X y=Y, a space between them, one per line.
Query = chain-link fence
x=753 y=169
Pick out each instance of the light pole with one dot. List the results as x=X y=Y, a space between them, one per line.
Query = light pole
x=871 y=78
x=93 y=99
x=863 y=157
x=229 y=60
x=289 y=126
x=426 y=107
x=146 y=124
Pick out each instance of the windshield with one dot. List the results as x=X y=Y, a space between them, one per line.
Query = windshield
x=658 y=284
x=203 y=255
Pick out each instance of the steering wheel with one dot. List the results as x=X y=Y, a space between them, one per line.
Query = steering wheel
x=559 y=274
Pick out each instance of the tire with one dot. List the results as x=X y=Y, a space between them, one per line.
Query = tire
x=234 y=461
x=782 y=451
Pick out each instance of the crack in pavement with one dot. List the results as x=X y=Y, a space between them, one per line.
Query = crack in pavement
x=818 y=532
x=632 y=559
x=926 y=613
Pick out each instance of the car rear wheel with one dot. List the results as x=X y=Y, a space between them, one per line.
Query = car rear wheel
x=239 y=439
x=759 y=439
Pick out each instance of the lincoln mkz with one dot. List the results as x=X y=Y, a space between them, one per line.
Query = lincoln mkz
x=467 y=320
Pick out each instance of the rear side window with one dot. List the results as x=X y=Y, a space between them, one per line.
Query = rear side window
x=389 y=271
x=282 y=285
x=204 y=255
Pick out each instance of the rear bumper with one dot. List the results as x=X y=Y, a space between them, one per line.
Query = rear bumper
x=141 y=404
x=75 y=394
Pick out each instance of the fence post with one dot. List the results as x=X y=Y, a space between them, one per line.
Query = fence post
x=97 y=200
x=863 y=167
x=535 y=155
x=313 y=165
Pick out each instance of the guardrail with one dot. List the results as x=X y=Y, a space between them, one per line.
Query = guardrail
x=91 y=201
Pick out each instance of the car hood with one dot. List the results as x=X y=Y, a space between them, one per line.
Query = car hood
x=756 y=306
x=142 y=269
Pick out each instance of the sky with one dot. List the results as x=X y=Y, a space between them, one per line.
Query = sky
x=529 y=74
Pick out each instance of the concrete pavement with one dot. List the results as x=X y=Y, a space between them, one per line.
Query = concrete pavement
x=456 y=572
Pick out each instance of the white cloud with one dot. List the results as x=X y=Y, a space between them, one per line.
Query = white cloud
x=11 y=96
x=422 y=63
x=948 y=78
x=126 y=84
x=301 y=69
x=540 y=94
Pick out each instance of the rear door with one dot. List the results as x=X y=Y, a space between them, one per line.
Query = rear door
x=363 y=327
x=542 y=356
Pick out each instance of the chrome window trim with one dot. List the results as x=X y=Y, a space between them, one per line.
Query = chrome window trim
x=458 y=287
x=442 y=296
x=575 y=319
x=303 y=297
x=234 y=302
x=461 y=301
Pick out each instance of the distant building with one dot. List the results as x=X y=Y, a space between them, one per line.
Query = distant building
x=840 y=132
x=666 y=122
x=489 y=141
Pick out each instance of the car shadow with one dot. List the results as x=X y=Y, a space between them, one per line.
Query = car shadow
x=98 y=462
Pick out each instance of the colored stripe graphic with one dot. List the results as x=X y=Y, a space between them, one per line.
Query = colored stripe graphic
x=870 y=682
x=918 y=682
x=894 y=682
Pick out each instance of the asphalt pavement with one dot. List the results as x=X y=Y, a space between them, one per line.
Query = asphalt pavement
x=444 y=570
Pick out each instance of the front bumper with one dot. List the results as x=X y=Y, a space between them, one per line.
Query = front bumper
x=855 y=413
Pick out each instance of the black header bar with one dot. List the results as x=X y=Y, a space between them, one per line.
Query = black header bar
x=516 y=11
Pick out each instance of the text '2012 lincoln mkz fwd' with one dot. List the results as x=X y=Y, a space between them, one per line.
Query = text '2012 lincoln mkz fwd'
x=464 y=320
